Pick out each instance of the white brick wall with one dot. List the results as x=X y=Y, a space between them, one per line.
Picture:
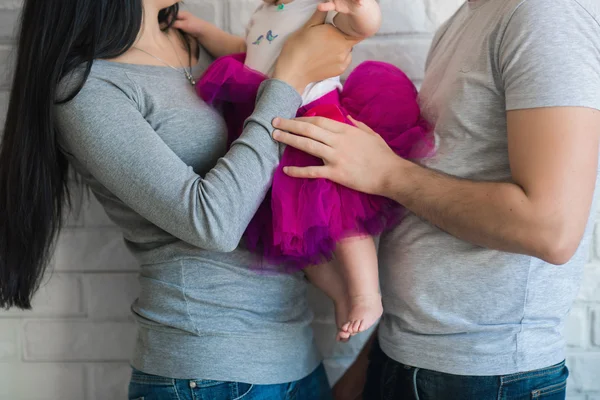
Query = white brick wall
x=76 y=342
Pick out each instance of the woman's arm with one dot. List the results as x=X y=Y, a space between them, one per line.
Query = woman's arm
x=106 y=133
x=218 y=42
x=103 y=128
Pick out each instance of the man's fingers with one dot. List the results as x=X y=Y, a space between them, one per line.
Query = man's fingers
x=309 y=128
x=307 y=172
x=326 y=124
x=362 y=126
x=304 y=144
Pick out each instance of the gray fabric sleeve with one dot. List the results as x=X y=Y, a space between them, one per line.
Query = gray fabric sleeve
x=550 y=56
x=104 y=130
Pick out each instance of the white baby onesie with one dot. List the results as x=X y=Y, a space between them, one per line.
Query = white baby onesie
x=269 y=28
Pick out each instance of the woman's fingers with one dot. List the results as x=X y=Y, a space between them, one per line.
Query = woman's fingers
x=183 y=14
x=318 y=18
x=328 y=6
x=305 y=144
x=308 y=172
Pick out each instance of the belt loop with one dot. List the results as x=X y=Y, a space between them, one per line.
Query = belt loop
x=415 y=389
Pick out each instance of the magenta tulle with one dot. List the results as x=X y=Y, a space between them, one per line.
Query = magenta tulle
x=301 y=220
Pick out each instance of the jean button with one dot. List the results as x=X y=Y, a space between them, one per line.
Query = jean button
x=193 y=384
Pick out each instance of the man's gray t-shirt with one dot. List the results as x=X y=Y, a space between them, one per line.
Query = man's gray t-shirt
x=452 y=306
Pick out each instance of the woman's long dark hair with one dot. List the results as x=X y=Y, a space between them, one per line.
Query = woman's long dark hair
x=56 y=36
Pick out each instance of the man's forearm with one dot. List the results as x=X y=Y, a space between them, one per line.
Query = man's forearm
x=496 y=215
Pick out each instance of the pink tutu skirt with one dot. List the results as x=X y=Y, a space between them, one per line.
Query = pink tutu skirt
x=301 y=221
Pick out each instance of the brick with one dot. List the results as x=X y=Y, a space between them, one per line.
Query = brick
x=321 y=305
x=9 y=340
x=590 y=285
x=110 y=295
x=4 y=97
x=93 y=214
x=73 y=214
x=6 y=61
x=108 y=381
x=8 y=23
x=42 y=381
x=595 y=247
x=409 y=16
x=211 y=11
x=409 y=54
x=584 y=369
x=596 y=326
x=78 y=341
x=575 y=396
x=93 y=250
x=239 y=13
x=576 y=327
x=59 y=296
x=438 y=11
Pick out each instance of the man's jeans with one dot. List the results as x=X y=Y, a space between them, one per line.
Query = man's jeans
x=388 y=379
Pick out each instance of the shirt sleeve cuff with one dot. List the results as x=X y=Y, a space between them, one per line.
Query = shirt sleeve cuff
x=330 y=17
x=275 y=99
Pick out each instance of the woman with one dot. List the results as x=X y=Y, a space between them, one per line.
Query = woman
x=107 y=86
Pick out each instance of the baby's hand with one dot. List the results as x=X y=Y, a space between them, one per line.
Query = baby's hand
x=189 y=23
x=343 y=6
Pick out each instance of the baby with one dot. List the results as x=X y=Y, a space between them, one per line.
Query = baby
x=293 y=231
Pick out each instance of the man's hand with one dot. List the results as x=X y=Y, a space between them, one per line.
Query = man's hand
x=355 y=157
x=542 y=212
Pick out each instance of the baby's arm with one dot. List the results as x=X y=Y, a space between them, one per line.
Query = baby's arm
x=218 y=42
x=358 y=18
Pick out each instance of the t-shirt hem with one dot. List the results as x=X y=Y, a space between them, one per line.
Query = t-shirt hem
x=474 y=364
x=259 y=361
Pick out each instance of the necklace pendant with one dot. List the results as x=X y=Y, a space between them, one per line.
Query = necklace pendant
x=190 y=78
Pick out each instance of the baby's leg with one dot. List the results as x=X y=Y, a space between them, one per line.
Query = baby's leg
x=327 y=278
x=357 y=260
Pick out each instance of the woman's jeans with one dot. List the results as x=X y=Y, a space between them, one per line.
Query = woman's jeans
x=388 y=379
x=152 y=387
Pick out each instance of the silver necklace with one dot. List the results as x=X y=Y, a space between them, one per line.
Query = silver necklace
x=188 y=74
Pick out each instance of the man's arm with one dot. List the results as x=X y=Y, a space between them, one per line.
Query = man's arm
x=543 y=213
x=551 y=83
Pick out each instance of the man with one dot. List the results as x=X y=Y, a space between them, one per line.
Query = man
x=479 y=277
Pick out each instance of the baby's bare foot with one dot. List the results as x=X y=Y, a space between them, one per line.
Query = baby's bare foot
x=365 y=310
x=341 y=316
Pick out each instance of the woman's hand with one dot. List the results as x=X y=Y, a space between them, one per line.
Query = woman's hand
x=355 y=157
x=190 y=24
x=315 y=52
x=342 y=6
